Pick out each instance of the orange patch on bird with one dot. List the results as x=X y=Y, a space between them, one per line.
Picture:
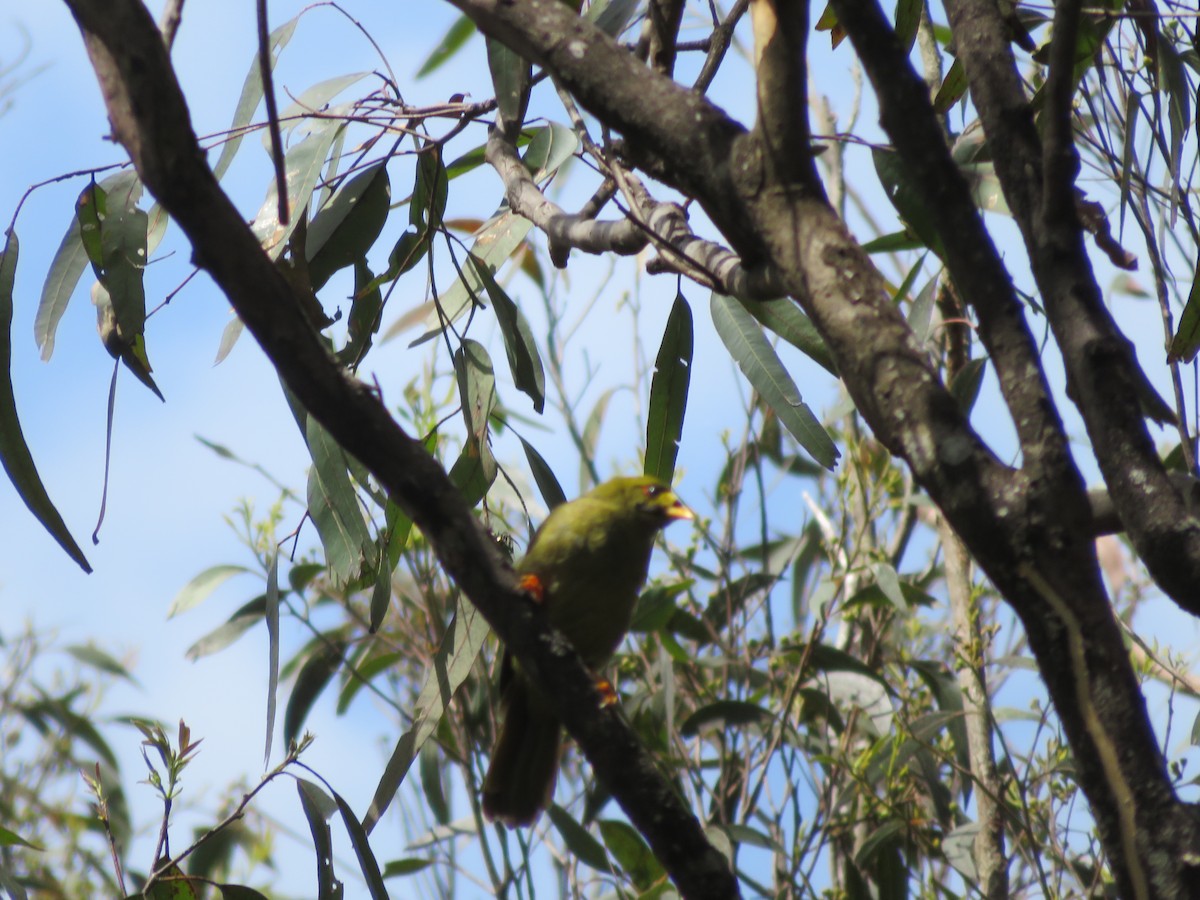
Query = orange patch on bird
x=532 y=585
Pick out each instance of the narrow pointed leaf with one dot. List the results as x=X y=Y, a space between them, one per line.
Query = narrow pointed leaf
x=669 y=393
x=543 y=476
x=252 y=93
x=346 y=227
x=523 y=360
x=449 y=668
x=14 y=452
x=458 y=34
x=762 y=367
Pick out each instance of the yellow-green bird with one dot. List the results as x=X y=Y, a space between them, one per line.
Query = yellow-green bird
x=587 y=564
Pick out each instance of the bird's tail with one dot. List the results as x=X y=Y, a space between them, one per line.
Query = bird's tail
x=520 y=779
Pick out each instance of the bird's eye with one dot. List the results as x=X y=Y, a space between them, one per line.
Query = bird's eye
x=653 y=490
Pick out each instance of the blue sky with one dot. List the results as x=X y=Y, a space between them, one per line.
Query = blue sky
x=168 y=495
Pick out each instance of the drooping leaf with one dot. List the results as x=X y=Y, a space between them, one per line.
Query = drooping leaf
x=494 y=243
x=233 y=628
x=784 y=318
x=454 y=39
x=368 y=865
x=631 y=852
x=252 y=93
x=14 y=452
x=669 y=393
x=272 y=619
x=511 y=80
x=724 y=714
x=334 y=506
x=582 y=845
x=954 y=86
x=449 y=668
x=476 y=387
x=198 y=589
x=966 y=383
x=763 y=368
x=549 y=149
x=430 y=190
x=318 y=808
x=519 y=346
x=543 y=476
x=303 y=164
x=296 y=116
x=474 y=471
x=312 y=679
x=346 y=227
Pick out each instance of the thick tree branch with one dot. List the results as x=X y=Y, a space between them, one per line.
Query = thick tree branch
x=150 y=118
x=665 y=224
x=1104 y=379
x=980 y=277
x=1034 y=552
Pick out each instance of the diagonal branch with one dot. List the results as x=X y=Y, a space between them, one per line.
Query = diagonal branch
x=1103 y=377
x=150 y=118
x=979 y=274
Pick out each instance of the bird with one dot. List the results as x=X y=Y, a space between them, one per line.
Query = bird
x=585 y=566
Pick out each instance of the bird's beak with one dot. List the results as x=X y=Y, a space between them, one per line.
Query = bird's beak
x=678 y=511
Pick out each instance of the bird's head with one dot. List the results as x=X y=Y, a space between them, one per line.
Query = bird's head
x=643 y=498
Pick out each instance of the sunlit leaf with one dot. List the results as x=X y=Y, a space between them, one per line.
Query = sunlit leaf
x=252 y=93
x=453 y=40
x=762 y=367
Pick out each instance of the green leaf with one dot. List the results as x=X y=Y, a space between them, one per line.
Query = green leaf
x=725 y=714
x=669 y=393
x=198 y=589
x=519 y=346
x=367 y=864
x=334 y=506
x=908 y=17
x=495 y=242
x=758 y=361
x=314 y=675
x=454 y=39
x=239 y=892
x=954 y=87
x=252 y=92
x=365 y=316
x=234 y=627
x=543 y=476
x=14 y=452
x=408 y=866
x=474 y=471
x=449 y=668
x=317 y=810
x=476 y=387
x=346 y=227
x=549 y=149
x=303 y=164
x=297 y=118
x=966 y=383
x=511 y=79
x=12 y=839
x=612 y=16
x=427 y=205
x=631 y=853
x=1187 y=336
x=65 y=269
x=784 y=318
x=582 y=845
x=906 y=198
x=272 y=619
x=123 y=242
x=100 y=660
